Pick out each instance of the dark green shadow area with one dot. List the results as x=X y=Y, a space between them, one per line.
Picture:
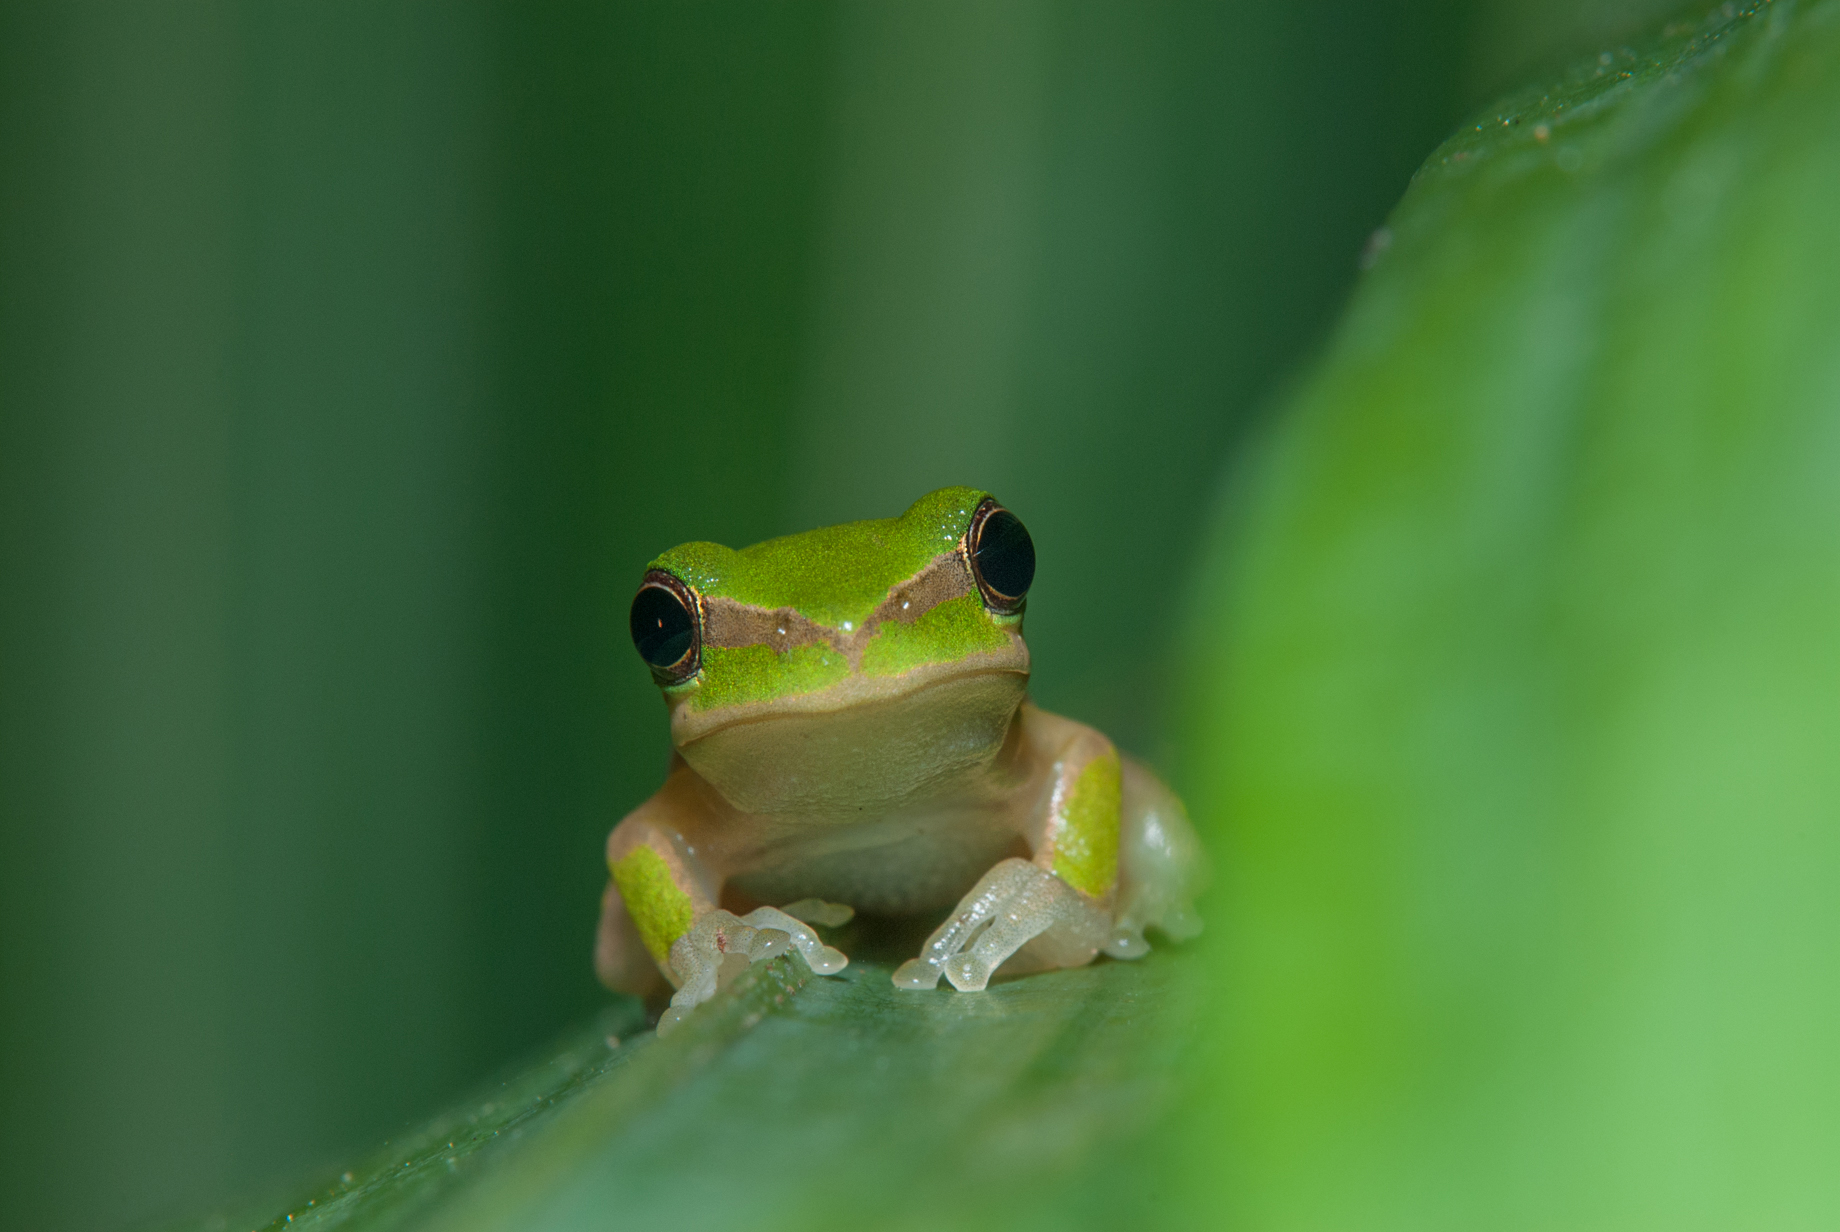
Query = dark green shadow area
x=798 y=1101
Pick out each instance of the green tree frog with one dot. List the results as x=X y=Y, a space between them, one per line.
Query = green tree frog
x=852 y=732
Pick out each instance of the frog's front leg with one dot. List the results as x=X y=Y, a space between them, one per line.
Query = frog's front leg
x=1112 y=854
x=669 y=895
x=1059 y=902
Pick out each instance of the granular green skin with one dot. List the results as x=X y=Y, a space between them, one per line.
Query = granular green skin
x=834 y=575
x=737 y=675
x=660 y=909
x=948 y=631
x=1086 y=846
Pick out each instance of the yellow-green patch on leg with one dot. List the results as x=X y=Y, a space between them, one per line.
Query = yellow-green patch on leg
x=659 y=907
x=1086 y=840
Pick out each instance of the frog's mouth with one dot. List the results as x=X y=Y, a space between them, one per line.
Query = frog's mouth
x=854 y=692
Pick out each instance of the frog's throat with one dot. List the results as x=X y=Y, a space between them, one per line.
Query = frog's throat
x=875 y=751
x=689 y=725
x=728 y=623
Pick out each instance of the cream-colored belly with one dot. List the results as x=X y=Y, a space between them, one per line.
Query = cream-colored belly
x=898 y=866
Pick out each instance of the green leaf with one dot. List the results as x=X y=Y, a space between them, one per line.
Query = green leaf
x=795 y=1101
x=1525 y=722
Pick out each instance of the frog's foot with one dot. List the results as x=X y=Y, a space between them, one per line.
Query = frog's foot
x=1127 y=942
x=1015 y=903
x=722 y=945
x=1175 y=918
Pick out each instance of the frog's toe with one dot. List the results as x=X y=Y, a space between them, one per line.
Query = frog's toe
x=968 y=972
x=821 y=958
x=1172 y=915
x=917 y=974
x=817 y=911
x=1180 y=920
x=1127 y=941
x=768 y=943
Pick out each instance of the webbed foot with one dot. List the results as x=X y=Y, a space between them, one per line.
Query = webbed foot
x=722 y=945
x=1013 y=904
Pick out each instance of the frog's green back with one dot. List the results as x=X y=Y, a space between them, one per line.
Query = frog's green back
x=835 y=574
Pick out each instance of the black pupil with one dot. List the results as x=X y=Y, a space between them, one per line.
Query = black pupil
x=1005 y=555
x=661 y=627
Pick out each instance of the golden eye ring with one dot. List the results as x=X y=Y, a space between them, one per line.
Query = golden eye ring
x=667 y=627
x=1002 y=557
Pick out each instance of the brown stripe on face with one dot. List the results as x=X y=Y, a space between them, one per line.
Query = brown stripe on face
x=728 y=623
x=945 y=577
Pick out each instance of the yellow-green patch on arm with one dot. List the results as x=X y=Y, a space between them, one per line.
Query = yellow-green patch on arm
x=659 y=907
x=1086 y=843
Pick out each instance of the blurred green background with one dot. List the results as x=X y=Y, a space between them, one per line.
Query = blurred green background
x=354 y=358
x=1523 y=717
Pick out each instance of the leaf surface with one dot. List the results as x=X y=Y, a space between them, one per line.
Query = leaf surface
x=794 y=1101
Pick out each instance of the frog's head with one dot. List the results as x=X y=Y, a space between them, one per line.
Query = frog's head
x=843 y=669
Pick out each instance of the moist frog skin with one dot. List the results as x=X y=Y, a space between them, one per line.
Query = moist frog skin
x=851 y=731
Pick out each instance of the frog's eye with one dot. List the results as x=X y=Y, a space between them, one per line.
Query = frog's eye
x=664 y=628
x=1002 y=556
